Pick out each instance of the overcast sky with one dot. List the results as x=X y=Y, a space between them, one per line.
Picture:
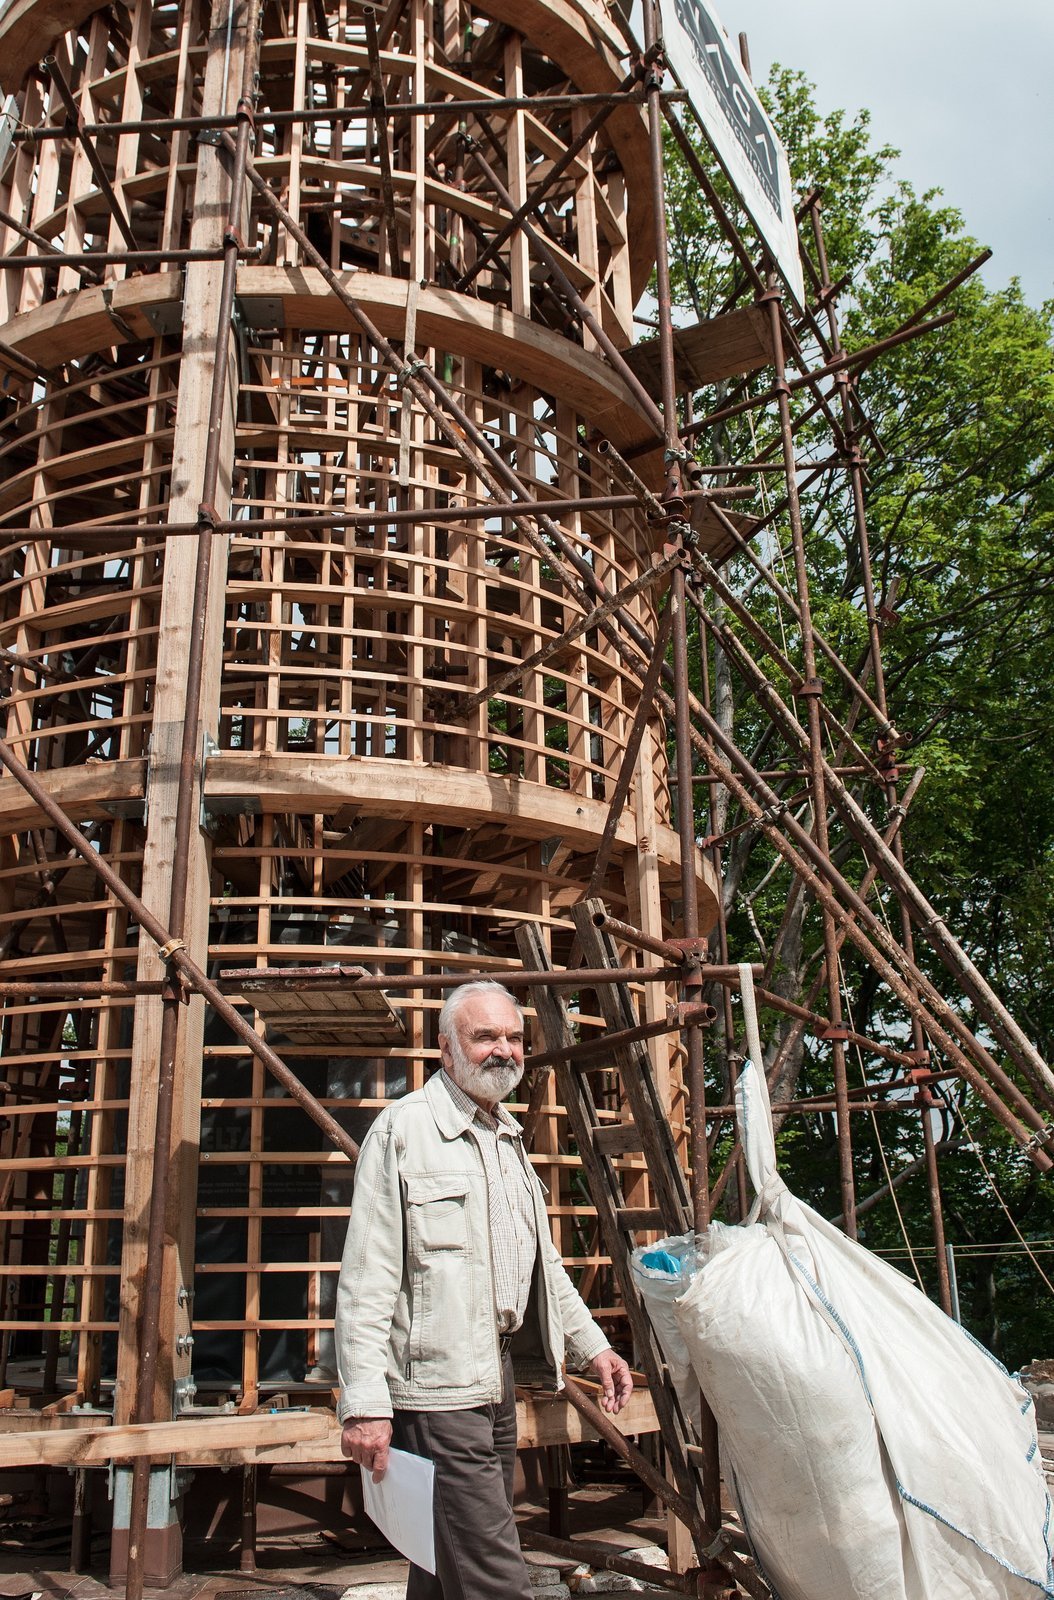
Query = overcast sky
x=964 y=90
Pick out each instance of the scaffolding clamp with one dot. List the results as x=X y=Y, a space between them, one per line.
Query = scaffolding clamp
x=167 y=950
x=652 y=73
x=691 y=1013
x=410 y=368
x=774 y=812
x=1041 y=1137
x=884 y=747
x=680 y=538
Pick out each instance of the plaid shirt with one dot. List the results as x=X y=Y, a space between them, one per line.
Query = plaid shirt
x=514 y=1243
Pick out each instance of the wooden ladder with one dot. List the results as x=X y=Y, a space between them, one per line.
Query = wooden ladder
x=599 y=1143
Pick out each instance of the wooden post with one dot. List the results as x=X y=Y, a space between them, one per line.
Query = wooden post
x=201 y=305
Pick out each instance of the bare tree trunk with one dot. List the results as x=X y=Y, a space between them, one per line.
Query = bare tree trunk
x=788 y=980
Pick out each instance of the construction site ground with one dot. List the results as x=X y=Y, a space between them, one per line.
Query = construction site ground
x=314 y=1576
x=313 y=1567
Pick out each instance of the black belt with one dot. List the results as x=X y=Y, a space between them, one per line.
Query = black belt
x=505 y=1344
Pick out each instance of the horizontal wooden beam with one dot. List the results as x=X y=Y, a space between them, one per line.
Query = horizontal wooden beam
x=78 y=1440
x=81 y=323
x=70 y=1441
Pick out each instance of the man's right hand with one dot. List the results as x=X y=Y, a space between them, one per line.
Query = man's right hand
x=366 y=1441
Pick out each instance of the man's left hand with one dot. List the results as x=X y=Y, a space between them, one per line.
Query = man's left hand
x=615 y=1378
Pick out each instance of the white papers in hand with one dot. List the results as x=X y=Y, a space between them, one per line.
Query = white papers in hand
x=401 y=1506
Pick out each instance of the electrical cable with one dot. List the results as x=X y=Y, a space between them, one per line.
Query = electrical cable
x=878 y=1136
x=980 y=1252
x=1025 y=1245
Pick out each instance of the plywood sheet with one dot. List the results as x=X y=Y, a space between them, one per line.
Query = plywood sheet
x=724 y=347
x=319 y=1005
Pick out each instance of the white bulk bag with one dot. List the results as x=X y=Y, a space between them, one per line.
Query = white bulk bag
x=877 y=1452
x=659 y=1289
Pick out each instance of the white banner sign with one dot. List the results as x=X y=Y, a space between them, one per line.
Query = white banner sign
x=735 y=123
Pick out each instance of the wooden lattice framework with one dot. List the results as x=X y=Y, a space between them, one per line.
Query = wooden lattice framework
x=347 y=815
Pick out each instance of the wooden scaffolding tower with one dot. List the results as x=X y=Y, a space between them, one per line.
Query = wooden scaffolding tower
x=347 y=547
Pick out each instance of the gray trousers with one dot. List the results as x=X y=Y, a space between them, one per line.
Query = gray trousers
x=477 y=1548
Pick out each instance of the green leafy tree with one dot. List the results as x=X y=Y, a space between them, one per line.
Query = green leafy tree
x=959 y=471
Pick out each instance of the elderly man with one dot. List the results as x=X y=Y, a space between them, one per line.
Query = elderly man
x=450 y=1276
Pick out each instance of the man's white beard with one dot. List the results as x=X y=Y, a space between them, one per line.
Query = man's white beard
x=487 y=1081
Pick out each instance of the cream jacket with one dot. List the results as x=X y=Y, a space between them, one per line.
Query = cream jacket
x=415 y=1322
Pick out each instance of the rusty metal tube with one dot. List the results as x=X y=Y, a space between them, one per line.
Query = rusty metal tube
x=821 y=1026
x=689 y=902
x=774 y=807
x=798 y=1027
x=684 y=1016
x=620 y=468
x=866 y=931
x=1010 y=1035
x=283 y=117
x=673 y=455
x=735 y=649
x=340 y=519
x=705 y=1534
x=837 y=366
x=638 y=938
x=768 y=644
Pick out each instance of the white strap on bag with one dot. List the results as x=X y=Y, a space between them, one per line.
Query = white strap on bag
x=752 y=1101
x=750 y=1013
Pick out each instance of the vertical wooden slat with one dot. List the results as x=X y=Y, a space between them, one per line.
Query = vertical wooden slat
x=295 y=132
x=586 y=227
x=516 y=162
x=131 y=110
x=420 y=11
x=17 y=201
x=170 y=711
